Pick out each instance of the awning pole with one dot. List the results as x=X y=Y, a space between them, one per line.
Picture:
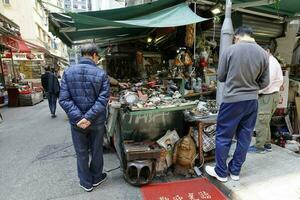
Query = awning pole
x=195 y=32
x=12 y=63
x=225 y=42
x=1 y=65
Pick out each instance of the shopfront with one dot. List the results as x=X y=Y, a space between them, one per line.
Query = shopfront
x=170 y=66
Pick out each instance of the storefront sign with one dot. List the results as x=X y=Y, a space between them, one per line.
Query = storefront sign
x=38 y=56
x=28 y=56
x=19 y=56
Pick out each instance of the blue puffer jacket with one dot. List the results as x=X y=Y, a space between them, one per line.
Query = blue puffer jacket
x=84 y=92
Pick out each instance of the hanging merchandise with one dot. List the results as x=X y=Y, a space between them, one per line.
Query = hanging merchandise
x=139 y=58
x=209 y=138
x=189 y=36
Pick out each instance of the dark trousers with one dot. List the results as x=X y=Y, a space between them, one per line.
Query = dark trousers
x=234 y=119
x=85 y=140
x=52 y=99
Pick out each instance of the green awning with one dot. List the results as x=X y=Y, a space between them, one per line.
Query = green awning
x=285 y=7
x=109 y=25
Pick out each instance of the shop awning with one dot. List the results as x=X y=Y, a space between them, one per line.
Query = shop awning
x=134 y=21
x=284 y=8
x=23 y=48
x=16 y=44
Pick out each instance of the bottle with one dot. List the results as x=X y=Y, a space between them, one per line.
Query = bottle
x=199 y=80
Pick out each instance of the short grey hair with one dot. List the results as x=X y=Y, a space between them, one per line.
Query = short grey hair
x=244 y=30
x=89 y=49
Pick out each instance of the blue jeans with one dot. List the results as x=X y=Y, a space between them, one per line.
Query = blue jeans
x=52 y=99
x=234 y=119
x=85 y=140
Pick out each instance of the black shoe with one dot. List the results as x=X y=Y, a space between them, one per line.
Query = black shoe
x=268 y=147
x=103 y=179
x=86 y=189
x=53 y=115
x=253 y=149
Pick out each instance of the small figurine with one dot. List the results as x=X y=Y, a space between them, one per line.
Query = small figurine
x=185 y=152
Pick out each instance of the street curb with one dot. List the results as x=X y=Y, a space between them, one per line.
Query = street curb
x=225 y=190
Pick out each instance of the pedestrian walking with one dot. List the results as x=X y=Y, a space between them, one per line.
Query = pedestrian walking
x=244 y=69
x=84 y=96
x=267 y=103
x=51 y=87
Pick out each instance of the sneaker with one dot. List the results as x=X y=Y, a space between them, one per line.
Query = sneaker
x=53 y=115
x=253 y=149
x=211 y=171
x=234 y=177
x=86 y=189
x=104 y=178
x=268 y=147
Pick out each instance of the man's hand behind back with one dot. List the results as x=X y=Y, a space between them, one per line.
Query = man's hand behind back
x=84 y=123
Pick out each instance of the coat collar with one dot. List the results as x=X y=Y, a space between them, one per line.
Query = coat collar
x=247 y=39
x=84 y=60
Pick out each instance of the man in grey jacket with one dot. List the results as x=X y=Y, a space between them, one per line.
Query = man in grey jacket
x=244 y=69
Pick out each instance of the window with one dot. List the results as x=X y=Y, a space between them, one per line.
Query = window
x=83 y=7
x=40 y=32
x=6 y=2
x=76 y=6
x=44 y=36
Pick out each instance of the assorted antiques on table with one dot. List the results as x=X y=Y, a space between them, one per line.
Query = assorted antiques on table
x=151 y=113
x=170 y=153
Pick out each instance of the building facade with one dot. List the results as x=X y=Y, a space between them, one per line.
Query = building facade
x=32 y=18
x=77 y=5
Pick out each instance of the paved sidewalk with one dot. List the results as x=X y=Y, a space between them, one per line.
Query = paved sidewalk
x=274 y=175
x=37 y=160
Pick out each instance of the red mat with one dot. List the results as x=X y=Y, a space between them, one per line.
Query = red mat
x=193 y=189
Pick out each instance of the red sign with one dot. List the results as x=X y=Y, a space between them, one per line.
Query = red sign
x=11 y=43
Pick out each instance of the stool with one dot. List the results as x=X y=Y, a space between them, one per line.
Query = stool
x=139 y=172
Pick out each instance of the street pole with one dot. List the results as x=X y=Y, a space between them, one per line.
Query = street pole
x=195 y=32
x=12 y=63
x=225 y=42
x=3 y=77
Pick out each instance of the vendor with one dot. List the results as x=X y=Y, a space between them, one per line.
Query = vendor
x=112 y=80
x=115 y=82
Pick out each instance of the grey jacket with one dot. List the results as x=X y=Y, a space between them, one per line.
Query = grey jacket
x=244 y=67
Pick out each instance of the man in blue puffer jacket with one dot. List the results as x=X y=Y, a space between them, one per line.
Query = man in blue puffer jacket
x=84 y=95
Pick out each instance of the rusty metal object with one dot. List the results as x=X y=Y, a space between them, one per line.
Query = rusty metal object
x=139 y=172
x=141 y=151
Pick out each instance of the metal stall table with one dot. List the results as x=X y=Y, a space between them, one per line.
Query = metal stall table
x=143 y=125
